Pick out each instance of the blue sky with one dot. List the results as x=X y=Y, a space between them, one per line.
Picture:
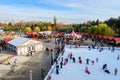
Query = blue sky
x=72 y=11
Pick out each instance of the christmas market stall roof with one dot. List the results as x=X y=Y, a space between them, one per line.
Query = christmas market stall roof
x=73 y=34
x=117 y=40
x=18 y=41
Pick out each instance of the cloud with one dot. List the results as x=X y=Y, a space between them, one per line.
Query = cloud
x=66 y=10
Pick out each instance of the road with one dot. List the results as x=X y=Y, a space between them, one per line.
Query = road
x=38 y=60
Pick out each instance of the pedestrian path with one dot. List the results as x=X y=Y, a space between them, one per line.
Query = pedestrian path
x=6 y=58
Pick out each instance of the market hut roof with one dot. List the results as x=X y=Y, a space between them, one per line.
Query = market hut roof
x=6 y=40
x=18 y=41
x=117 y=40
x=73 y=34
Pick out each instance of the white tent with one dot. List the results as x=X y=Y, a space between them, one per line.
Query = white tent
x=22 y=46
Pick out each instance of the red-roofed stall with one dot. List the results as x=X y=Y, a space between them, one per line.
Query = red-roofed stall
x=117 y=40
x=4 y=41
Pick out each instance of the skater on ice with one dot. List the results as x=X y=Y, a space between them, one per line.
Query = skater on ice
x=115 y=71
x=57 y=69
x=92 y=62
x=70 y=55
x=61 y=64
x=104 y=66
x=86 y=70
x=80 y=61
x=87 y=61
x=118 y=57
x=107 y=70
x=96 y=59
x=74 y=59
x=65 y=62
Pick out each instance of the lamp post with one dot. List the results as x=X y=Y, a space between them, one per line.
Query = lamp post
x=54 y=50
x=30 y=74
x=0 y=49
x=60 y=46
x=20 y=32
x=52 y=56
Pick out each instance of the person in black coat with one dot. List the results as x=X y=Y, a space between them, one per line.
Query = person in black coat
x=42 y=72
x=61 y=64
x=87 y=61
x=118 y=57
x=104 y=66
x=74 y=59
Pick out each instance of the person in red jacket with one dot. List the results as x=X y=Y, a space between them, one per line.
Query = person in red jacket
x=86 y=70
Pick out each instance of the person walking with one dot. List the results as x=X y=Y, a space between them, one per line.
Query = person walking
x=31 y=53
x=8 y=62
x=42 y=72
x=15 y=61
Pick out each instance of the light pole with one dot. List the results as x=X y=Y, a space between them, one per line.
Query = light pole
x=60 y=46
x=65 y=39
x=0 y=49
x=20 y=31
x=53 y=55
x=30 y=74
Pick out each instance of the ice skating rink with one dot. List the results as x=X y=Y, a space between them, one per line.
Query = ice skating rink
x=76 y=71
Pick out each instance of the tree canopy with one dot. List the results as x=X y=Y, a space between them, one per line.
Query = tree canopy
x=37 y=29
x=27 y=29
x=101 y=29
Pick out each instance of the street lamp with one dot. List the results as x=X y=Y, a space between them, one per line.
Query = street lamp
x=30 y=74
x=60 y=46
x=20 y=32
x=51 y=52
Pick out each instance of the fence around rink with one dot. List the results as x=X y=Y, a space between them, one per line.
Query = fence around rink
x=73 y=46
x=52 y=68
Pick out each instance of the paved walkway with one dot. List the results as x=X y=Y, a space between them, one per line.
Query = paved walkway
x=5 y=58
x=23 y=64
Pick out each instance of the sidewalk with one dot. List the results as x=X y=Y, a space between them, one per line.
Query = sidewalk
x=4 y=57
